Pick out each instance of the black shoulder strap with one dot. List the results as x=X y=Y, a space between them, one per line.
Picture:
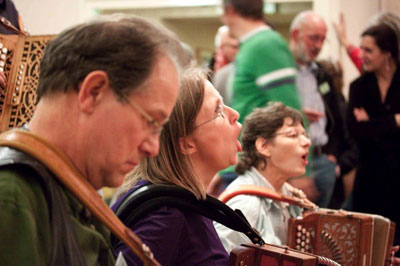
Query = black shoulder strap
x=65 y=247
x=150 y=197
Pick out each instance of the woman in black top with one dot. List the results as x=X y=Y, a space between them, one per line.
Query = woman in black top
x=374 y=121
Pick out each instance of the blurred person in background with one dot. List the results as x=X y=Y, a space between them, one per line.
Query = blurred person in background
x=320 y=104
x=228 y=48
x=354 y=52
x=374 y=122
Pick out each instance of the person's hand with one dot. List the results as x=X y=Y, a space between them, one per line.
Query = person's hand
x=311 y=114
x=340 y=29
x=3 y=80
x=333 y=159
x=395 y=261
x=360 y=114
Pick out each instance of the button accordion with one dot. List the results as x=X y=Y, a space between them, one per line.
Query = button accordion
x=20 y=60
x=348 y=238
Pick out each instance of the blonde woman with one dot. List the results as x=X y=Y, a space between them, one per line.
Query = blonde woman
x=199 y=139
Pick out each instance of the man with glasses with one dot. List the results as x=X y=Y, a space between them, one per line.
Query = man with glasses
x=105 y=90
x=332 y=152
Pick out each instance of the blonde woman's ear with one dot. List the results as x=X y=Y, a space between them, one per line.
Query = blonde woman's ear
x=187 y=145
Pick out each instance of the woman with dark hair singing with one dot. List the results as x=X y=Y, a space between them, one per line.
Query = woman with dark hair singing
x=275 y=148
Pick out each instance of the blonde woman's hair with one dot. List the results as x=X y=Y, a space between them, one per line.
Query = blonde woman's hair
x=171 y=166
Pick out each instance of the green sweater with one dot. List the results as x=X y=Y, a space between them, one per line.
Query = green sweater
x=25 y=236
x=265 y=71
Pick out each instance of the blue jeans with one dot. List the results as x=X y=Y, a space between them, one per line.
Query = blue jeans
x=323 y=172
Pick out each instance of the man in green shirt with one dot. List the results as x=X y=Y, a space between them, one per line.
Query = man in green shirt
x=265 y=70
x=105 y=90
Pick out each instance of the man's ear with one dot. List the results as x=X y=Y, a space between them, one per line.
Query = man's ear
x=263 y=147
x=294 y=35
x=187 y=145
x=92 y=89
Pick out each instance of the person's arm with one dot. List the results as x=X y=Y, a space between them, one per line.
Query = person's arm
x=352 y=51
x=360 y=124
x=355 y=56
x=276 y=75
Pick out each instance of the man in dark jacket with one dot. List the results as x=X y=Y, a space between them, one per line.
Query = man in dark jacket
x=321 y=106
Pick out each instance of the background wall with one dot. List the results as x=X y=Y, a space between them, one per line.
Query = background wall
x=196 y=22
x=49 y=17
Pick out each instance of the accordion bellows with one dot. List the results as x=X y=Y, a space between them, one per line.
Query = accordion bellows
x=348 y=238
x=20 y=61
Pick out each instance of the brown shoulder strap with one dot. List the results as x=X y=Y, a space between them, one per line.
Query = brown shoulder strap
x=298 y=199
x=63 y=168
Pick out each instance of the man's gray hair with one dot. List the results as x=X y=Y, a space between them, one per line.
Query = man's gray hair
x=300 y=19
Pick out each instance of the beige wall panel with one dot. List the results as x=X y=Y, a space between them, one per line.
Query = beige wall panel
x=48 y=16
x=391 y=5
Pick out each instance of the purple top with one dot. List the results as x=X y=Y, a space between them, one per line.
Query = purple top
x=176 y=237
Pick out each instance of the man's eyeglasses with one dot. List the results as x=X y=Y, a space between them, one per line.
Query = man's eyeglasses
x=293 y=134
x=220 y=113
x=156 y=127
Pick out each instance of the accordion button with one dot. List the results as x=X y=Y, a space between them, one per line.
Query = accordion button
x=302 y=250
x=298 y=234
x=2 y=63
x=298 y=240
x=299 y=227
x=3 y=57
x=20 y=72
x=17 y=88
x=21 y=66
x=1 y=69
x=14 y=100
x=302 y=244
x=308 y=234
x=303 y=230
x=1 y=45
x=4 y=50
x=307 y=240
x=307 y=247
x=18 y=82
x=298 y=247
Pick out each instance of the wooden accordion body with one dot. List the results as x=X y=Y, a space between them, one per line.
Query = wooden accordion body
x=272 y=255
x=348 y=238
x=20 y=61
